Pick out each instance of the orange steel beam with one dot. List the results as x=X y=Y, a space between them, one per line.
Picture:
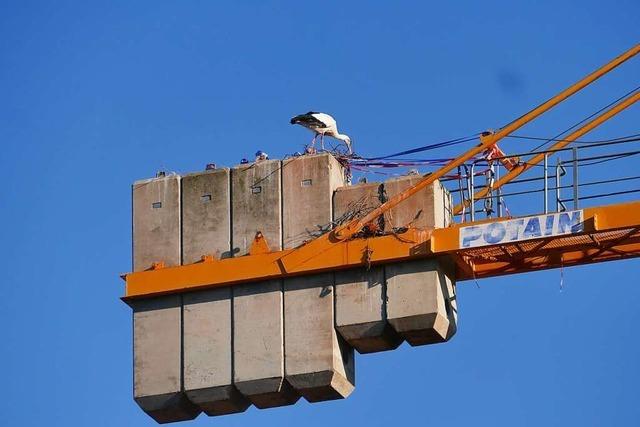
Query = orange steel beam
x=521 y=168
x=263 y=266
x=357 y=252
x=309 y=250
x=595 y=219
x=357 y=224
x=553 y=259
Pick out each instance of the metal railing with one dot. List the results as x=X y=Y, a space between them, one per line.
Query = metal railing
x=550 y=183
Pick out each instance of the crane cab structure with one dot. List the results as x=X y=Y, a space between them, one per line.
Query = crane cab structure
x=253 y=285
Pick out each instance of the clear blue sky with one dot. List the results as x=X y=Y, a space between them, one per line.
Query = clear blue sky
x=94 y=95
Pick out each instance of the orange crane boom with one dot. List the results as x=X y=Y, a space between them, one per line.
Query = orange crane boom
x=605 y=233
x=344 y=232
x=525 y=166
x=609 y=233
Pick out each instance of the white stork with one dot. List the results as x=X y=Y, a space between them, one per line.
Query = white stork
x=321 y=124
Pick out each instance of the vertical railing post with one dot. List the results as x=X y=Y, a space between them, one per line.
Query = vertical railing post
x=472 y=206
x=466 y=188
x=546 y=185
x=575 y=178
x=463 y=216
x=558 y=171
x=499 y=193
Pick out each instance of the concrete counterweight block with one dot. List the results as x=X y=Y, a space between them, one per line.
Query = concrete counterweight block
x=157 y=372
x=256 y=205
x=208 y=352
x=156 y=222
x=258 y=330
x=428 y=208
x=361 y=316
x=450 y=295
x=206 y=226
x=419 y=306
x=319 y=364
x=356 y=201
x=308 y=183
x=361 y=293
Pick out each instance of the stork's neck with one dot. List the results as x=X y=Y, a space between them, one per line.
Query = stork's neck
x=342 y=137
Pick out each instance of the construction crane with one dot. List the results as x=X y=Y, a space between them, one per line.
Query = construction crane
x=479 y=248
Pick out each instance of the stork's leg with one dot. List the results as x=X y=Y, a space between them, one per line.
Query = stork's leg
x=322 y=141
x=311 y=148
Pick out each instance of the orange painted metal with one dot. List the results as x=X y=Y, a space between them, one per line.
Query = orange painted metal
x=357 y=224
x=353 y=227
x=259 y=245
x=157 y=265
x=343 y=248
x=523 y=167
x=601 y=218
x=337 y=255
x=623 y=215
x=496 y=152
x=551 y=253
x=610 y=232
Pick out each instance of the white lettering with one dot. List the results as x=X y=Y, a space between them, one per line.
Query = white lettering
x=518 y=229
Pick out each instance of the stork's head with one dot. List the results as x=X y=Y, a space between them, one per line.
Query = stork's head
x=346 y=140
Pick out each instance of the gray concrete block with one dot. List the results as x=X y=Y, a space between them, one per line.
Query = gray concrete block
x=360 y=294
x=308 y=183
x=258 y=331
x=416 y=305
x=355 y=201
x=319 y=364
x=450 y=294
x=256 y=205
x=361 y=315
x=442 y=217
x=157 y=364
x=208 y=352
x=206 y=212
x=424 y=209
x=156 y=222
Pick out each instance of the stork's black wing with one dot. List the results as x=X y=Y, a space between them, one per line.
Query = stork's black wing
x=308 y=119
